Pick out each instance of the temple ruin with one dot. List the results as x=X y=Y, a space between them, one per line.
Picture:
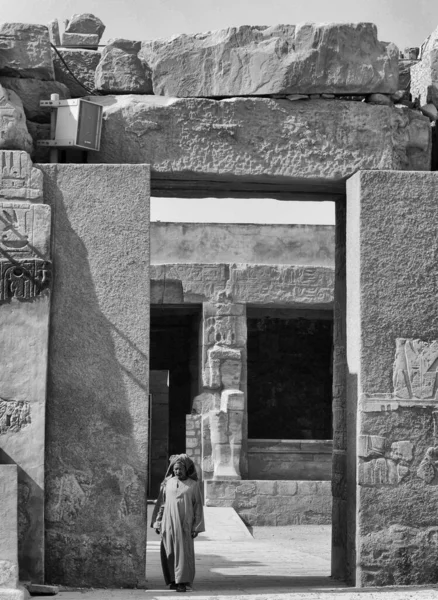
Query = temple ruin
x=265 y=347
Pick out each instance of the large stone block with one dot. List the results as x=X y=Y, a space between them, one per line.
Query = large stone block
x=13 y=130
x=255 y=139
x=392 y=350
x=121 y=71
x=80 y=39
x=424 y=75
x=82 y=63
x=25 y=51
x=31 y=91
x=336 y=58
x=97 y=429
x=85 y=23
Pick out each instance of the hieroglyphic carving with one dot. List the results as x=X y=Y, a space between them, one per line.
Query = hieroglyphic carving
x=415 y=369
x=18 y=177
x=382 y=462
x=24 y=280
x=415 y=377
x=14 y=415
x=24 y=230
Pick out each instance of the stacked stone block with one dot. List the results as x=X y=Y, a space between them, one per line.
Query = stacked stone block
x=193 y=437
x=273 y=503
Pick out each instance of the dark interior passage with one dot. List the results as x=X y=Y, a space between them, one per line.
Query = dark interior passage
x=289 y=374
x=174 y=340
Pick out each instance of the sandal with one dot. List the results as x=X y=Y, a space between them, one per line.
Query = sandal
x=172 y=586
x=181 y=587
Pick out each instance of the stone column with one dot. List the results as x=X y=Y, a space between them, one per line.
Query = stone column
x=25 y=276
x=223 y=377
x=392 y=357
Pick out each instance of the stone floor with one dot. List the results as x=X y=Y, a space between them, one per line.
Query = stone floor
x=276 y=564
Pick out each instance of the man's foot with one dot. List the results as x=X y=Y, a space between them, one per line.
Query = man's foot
x=181 y=587
x=189 y=587
x=172 y=586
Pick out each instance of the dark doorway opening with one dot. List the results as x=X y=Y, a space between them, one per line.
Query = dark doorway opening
x=174 y=348
x=289 y=374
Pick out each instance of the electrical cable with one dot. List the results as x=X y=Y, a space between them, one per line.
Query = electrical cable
x=91 y=92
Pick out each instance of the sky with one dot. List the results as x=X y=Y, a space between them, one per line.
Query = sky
x=407 y=23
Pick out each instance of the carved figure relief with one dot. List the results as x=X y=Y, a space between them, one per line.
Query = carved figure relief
x=382 y=462
x=226 y=435
x=18 y=177
x=415 y=369
x=415 y=378
x=24 y=280
x=427 y=468
x=13 y=415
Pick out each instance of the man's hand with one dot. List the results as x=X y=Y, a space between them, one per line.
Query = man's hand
x=194 y=534
x=157 y=531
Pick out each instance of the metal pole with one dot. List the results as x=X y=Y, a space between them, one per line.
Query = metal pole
x=53 y=114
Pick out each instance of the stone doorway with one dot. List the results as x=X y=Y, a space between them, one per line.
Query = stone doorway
x=174 y=368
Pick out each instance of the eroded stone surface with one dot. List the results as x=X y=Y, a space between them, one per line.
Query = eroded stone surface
x=97 y=429
x=287 y=59
x=197 y=138
x=85 y=23
x=424 y=75
x=277 y=503
x=395 y=373
x=80 y=39
x=31 y=91
x=13 y=130
x=226 y=435
x=8 y=527
x=25 y=51
x=121 y=70
x=82 y=63
x=19 y=179
x=241 y=283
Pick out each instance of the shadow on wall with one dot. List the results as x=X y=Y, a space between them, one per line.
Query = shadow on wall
x=95 y=477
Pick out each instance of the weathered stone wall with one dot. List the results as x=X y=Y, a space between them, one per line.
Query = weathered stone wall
x=212 y=243
x=243 y=284
x=97 y=405
x=392 y=358
x=290 y=459
x=25 y=280
x=273 y=503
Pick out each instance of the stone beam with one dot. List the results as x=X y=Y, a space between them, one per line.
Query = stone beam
x=392 y=357
x=254 y=145
x=299 y=286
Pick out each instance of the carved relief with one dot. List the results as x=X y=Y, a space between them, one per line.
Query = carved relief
x=427 y=468
x=24 y=280
x=415 y=379
x=415 y=369
x=226 y=435
x=223 y=368
x=24 y=230
x=383 y=463
x=18 y=178
x=14 y=415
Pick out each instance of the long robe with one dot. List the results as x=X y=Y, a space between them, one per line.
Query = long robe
x=182 y=514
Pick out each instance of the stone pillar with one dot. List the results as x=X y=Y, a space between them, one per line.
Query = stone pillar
x=226 y=435
x=97 y=413
x=9 y=588
x=25 y=276
x=223 y=376
x=392 y=357
x=341 y=567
